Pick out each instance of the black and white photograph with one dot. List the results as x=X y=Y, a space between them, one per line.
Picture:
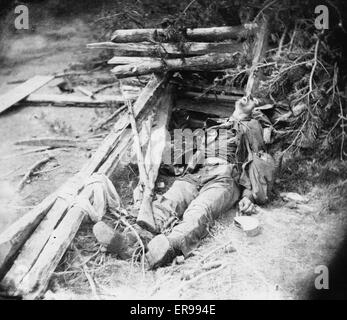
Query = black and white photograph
x=183 y=151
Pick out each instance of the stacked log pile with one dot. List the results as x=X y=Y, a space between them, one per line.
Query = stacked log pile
x=146 y=51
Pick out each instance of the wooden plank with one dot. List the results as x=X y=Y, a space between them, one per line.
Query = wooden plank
x=17 y=94
x=37 y=278
x=212 y=108
x=13 y=238
x=258 y=56
x=23 y=262
x=35 y=245
x=15 y=235
x=197 y=34
x=158 y=136
x=64 y=100
x=197 y=96
x=211 y=89
x=54 y=142
x=54 y=251
x=153 y=157
x=213 y=61
x=152 y=50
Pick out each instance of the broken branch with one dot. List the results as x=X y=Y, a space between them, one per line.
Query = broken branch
x=111 y=117
x=31 y=172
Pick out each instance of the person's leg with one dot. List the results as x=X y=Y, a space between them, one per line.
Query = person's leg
x=214 y=199
x=174 y=202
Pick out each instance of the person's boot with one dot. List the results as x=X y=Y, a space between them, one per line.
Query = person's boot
x=160 y=252
x=132 y=239
x=112 y=240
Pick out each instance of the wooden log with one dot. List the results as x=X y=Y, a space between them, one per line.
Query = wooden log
x=64 y=100
x=17 y=94
x=153 y=50
x=35 y=245
x=258 y=56
x=197 y=34
x=130 y=60
x=206 y=62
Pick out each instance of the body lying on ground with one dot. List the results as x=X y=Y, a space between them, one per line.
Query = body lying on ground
x=241 y=171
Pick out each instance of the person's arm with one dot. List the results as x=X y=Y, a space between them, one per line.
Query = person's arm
x=258 y=172
x=246 y=204
x=247 y=193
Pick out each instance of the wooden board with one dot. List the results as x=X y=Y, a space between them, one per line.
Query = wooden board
x=197 y=96
x=54 y=142
x=258 y=55
x=212 y=108
x=211 y=89
x=15 y=235
x=35 y=281
x=158 y=137
x=64 y=100
x=154 y=154
x=54 y=251
x=17 y=94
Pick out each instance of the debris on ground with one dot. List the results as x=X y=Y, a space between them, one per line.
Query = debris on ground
x=292 y=196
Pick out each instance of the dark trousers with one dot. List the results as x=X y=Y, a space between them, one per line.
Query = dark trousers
x=197 y=200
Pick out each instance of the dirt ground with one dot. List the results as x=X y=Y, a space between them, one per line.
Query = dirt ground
x=277 y=264
x=54 y=47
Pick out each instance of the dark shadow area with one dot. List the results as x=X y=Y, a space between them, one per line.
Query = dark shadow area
x=337 y=278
